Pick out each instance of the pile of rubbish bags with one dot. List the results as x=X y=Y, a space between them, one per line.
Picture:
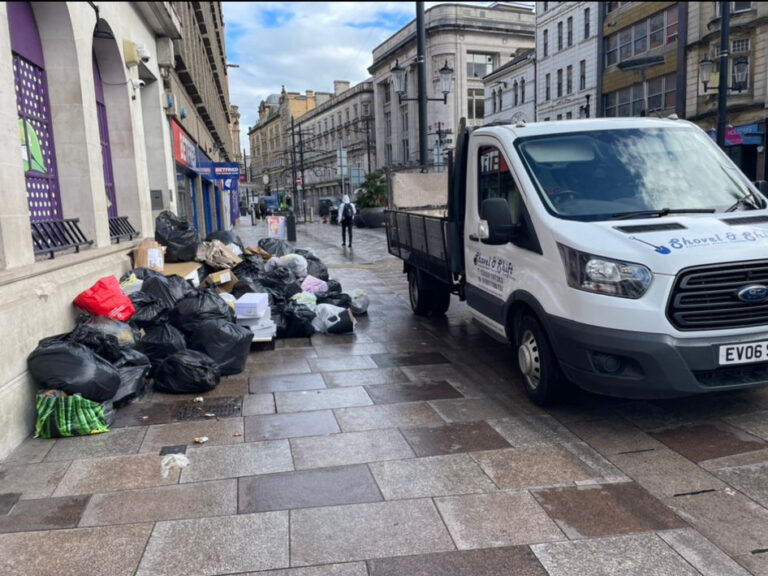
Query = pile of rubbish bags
x=179 y=334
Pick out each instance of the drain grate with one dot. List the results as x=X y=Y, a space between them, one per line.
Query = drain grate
x=221 y=407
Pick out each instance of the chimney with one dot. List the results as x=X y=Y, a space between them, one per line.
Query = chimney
x=309 y=93
x=340 y=86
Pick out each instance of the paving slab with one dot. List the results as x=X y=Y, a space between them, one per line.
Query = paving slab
x=634 y=555
x=255 y=404
x=293 y=343
x=433 y=476
x=321 y=399
x=341 y=364
x=31 y=451
x=44 y=514
x=365 y=377
x=757 y=564
x=198 y=500
x=113 y=443
x=113 y=550
x=409 y=359
x=114 y=473
x=350 y=569
x=212 y=546
x=227 y=387
x=405 y=415
x=365 y=531
x=411 y=392
x=248 y=459
x=279 y=355
x=433 y=372
x=144 y=413
x=606 y=510
x=729 y=519
x=281 y=367
x=744 y=459
x=526 y=467
x=512 y=561
x=8 y=501
x=521 y=431
x=292 y=425
x=349 y=448
x=613 y=436
x=224 y=431
x=493 y=520
x=287 y=383
x=32 y=480
x=700 y=553
x=454 y=438
x=471 y=409
x=308 y=489
x=648 y=416
x=755 y=423
x=319 y=339
x=699 y=442
x=358 y=349
x=752 y=481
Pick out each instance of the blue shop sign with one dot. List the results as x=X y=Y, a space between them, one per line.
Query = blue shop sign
x=746 y=135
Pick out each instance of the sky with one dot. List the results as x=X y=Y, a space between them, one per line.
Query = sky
x=304 y=46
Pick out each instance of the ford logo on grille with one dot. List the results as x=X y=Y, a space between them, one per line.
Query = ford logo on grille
x=754 y=293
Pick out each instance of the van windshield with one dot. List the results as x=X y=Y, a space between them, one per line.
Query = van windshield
x=604 y=174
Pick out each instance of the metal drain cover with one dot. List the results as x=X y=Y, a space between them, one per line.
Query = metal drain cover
x=220 y=407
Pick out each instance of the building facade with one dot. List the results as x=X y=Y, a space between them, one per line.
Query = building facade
x=510 y=90
x=567 y=37
x=748 y=36
x=337 y=142
x=473 y=40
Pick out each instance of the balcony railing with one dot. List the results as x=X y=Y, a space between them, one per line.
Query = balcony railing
x=121 y=229
x=51 y=236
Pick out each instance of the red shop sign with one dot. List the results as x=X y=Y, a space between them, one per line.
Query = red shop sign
x=184 y=149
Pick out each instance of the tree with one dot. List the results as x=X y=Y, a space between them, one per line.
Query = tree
x=373 y=193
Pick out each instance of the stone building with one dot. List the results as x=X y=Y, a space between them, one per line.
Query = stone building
x=567 y=37
x=510 y=90
x=343 y=128
x=473 y=40
x=745 y=136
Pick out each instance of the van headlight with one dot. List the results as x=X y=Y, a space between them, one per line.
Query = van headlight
x=604 y=275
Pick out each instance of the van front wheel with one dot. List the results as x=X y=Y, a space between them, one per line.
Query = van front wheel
x=543 y=379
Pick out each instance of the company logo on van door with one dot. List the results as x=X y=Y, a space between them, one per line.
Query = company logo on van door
x=710 y=240
x=753 y=294
x=492 y=271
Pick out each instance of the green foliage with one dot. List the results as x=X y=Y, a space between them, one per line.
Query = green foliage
x=373 y=193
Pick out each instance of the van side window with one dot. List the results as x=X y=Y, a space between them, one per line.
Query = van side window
x=495 y=180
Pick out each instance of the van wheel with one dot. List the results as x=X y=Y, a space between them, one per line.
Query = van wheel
x=543 y=379
x=441 y=300
x=418 y=295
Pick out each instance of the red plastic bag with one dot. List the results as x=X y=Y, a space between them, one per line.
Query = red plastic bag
x=105 y=298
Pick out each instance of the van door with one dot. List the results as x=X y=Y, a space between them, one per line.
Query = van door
x=491 y=270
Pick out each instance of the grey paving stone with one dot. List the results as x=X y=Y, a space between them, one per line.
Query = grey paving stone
x=406 y=415
x=349 y=448
x=113 y=550
x=363 y=531
x=31 y=451
x=279 y=356
x=45 y=514
x=635 y=555
x=699 y=442
x=308 y=489
x=408 y=359
x=648 y=416
x=321 y=399
x=470 y=409
x=278 y=368
x=485 y=520
x=358 y=349
x=287 y=383
x=228 y=386
x=223 y=545
x=701 y=553
x=665 y=473
x=613 y=436
x=521 y=431
x=729 y=519
x=146 y=413
x=745 y=459
x=411 y=392
x=224 y=431
x=757 y=564
x=255 y=404
x=32 y=480
x=198 y=500
x=292 y=425
x=513 y=561
x=339 y=339
x=341 y=364
x=365 y=377
x=350 y=569
x=427 y=477
x=454 y=438
x=215 y=462
x=750 y=480
x=114 y=473
x=113 y=443
x=433 y=372
x=755 y=423
x=293 y=343
x=531 y=466
x=8 y=500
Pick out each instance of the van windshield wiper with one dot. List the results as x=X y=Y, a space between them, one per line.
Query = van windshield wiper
x=659 y=213
x=745 y=202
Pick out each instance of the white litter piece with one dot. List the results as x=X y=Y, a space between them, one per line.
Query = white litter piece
x=198 y=400
x=173 y=461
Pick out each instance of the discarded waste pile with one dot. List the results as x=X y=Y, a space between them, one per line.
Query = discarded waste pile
x=186 y=315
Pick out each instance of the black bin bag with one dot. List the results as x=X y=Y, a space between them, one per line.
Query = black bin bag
x=167 y=289
x=198 y=307
x=226 y=237
x=315 y=266
x=227 y=343
x=178 y=236
x=133 y=367
x=149 y=310
x=298 y=319
x=275 y=246
x=159 y=342
x=74 y=369
x=187 y=372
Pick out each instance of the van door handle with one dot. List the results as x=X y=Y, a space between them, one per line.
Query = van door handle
x=474 y=238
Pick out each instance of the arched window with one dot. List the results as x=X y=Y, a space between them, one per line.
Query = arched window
x=34 y=110
x=501 y=99
x=522 y=91
x=493 y=96
x=514 y=91
x=106 y=153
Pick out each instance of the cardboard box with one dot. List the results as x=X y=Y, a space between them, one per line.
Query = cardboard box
x=222 y=280
x=187 y=270
x=252 y=305
x=149 y=254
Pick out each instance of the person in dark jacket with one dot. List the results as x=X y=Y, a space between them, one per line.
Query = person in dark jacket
x=263 y=210
x=347 y=213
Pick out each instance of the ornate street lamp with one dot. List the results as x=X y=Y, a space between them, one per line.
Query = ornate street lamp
x=446 y=77
x=706 y=67
x=740 y=74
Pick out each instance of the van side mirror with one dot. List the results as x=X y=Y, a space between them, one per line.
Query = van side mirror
x=762 y=185
x=501 y=230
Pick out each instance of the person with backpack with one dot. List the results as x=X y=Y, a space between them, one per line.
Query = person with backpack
x=346 y=217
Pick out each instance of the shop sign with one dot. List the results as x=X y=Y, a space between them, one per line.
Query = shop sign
x=745 y=135
x=184 y=148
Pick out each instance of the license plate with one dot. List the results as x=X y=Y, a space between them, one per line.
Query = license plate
x=744 y=353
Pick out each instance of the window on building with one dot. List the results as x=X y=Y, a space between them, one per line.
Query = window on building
x=641 y=37
x=494 y=180
x=514 y=93
x=547 y=87
x=493 y=97
x=671 y=28
x=586 y=23
x=479 y=65
x=559 y=36
x=569 y=31
x=670 y=91
x=475 y=104
x=501 y=100
x=106 y=152
x=583 y=75
x=559 y=82
x=735 y=7
x=569 y=80
x=545 y=6
x=625 y=44
x=545 y=41
x=404 y=140
x=662 y=95
x=387 y=93
x=547 y=119
x=655 y=94
x=522 y=91
x=559 y=117
x=569 y=115
x=354 y=108
x=346 y=111
x=388 y=124
x=611 y=6
x=657 y=30
x=611 y=50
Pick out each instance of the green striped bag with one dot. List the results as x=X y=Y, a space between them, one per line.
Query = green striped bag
x=60 y=415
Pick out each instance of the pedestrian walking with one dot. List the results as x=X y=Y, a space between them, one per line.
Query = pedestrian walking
x=347 y=213
x=263 y=210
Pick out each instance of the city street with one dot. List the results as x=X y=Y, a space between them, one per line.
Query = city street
x=407 y=448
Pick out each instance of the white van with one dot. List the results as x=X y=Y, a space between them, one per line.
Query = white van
x=627 y=256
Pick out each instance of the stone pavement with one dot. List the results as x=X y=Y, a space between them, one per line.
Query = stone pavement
x=406 y=449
